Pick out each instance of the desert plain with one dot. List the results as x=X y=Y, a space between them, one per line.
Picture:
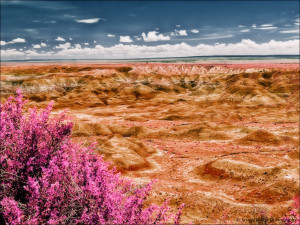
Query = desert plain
x=221 y=138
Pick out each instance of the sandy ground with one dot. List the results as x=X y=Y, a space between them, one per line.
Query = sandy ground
x=223 y=139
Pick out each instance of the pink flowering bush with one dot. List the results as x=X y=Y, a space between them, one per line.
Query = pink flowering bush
x=294 y=214
x=47 y=179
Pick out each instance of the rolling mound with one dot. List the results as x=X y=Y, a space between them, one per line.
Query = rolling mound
x=126 y=155
x=282 y=184
x=263 y=137
x=138 y=131
x=90 y=129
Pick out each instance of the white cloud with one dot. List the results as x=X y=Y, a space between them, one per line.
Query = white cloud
x=35 y=54
x=123 y=51
x=245 y=30
x=110 y=35
x=125 y=39
x=293 y=37
x=11 y=54
x=215 y=36
x=289 y=31
x=195 y=31
x=17 y=40
x=63 y=46
x=266 y=28
x=93 y=20
x=31 y=53
x=77 y=46
x=95 y=41
x=3 y=43
x=152 y=36
x=43 y=44
x=267 y=25
x=179 y=33
x=86 y=43
x=36 y=46
x=138 y=38
x=178 y=25
x=241 y=26
x=182 y=33
x=60 y=39
x=70 y=39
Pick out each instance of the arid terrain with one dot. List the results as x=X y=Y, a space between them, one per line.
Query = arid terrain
x=223 y=139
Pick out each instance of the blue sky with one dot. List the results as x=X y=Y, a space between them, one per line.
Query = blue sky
x=133 y=29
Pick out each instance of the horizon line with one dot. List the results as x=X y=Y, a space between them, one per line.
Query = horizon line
x=153 y=58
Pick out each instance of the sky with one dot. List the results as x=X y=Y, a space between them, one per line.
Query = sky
x=147 y=29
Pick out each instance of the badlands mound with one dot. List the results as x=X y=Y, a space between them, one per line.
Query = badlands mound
x=282 y=183
x=263 y=137
x=90 y=129
x=125 y=154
